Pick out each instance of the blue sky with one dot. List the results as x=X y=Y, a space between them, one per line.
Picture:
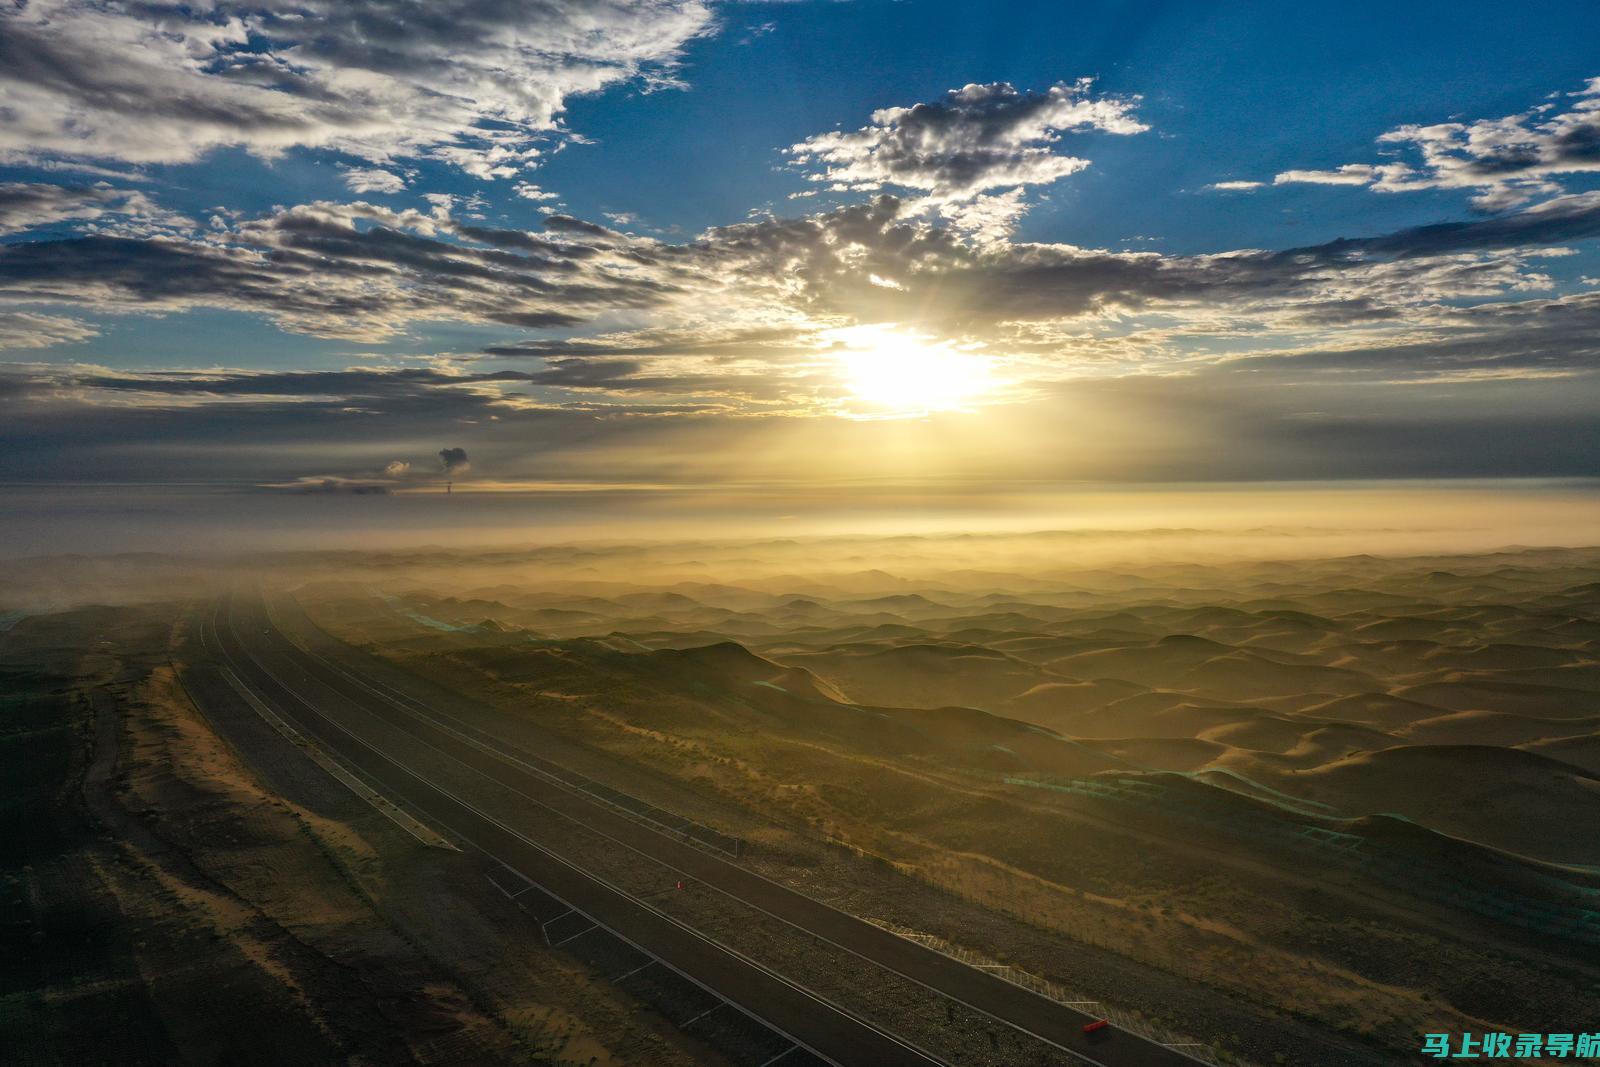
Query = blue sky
x=670 y=242
x=1231 y=91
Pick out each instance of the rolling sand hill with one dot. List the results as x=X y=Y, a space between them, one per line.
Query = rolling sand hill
x=1358 y=792
x=923 y=675
x=1461 y=693
x=1503 y=797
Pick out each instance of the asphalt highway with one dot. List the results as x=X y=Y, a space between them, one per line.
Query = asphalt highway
x=277 y=670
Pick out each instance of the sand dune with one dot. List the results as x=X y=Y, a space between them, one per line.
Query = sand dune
x=1463 y=693
x=1580 y=751
x=1383 y=710
x=1261 y=733
x=923 y=675
x=1492 y=728
x=1504 y=797
x=1482 y=694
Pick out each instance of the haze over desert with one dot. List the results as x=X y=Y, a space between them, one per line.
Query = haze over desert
x=719 y=533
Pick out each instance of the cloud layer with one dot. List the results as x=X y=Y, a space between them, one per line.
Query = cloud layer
x=660 y=356
x=29 y=205
x=471 y=82
x=1504 y=162
x=959 y=149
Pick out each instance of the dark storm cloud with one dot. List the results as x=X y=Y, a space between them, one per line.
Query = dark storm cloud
x=454 y=460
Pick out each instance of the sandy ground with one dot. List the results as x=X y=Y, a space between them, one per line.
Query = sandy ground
x=801 y=711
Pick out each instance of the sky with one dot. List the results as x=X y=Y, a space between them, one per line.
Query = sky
x=791 y=251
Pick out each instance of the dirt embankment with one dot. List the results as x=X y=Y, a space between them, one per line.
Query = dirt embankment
x=226 y=900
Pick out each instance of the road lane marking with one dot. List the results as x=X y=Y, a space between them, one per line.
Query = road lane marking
x=648 y=963
x=422 y=713
x=398 y=700
x=690 y=1022
x=381 y=804
x=451 y=724
x=616 y=891
x=443 y=722
x=573 y=937
x=513 y=761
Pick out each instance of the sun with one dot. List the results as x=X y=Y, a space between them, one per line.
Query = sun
x=892 y=373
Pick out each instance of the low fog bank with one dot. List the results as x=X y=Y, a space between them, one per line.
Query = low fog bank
x=108 y=546
x=1252 y=519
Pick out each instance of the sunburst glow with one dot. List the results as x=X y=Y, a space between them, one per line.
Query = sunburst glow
x=895 y=374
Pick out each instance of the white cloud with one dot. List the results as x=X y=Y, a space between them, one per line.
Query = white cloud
x=373 y=180
x=964 y=146
x=1504 y=161
x=366 y=272
x=989 y=217
x=25 y=205
x=1350 y=174
x=467 y=81
x=22 y=329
